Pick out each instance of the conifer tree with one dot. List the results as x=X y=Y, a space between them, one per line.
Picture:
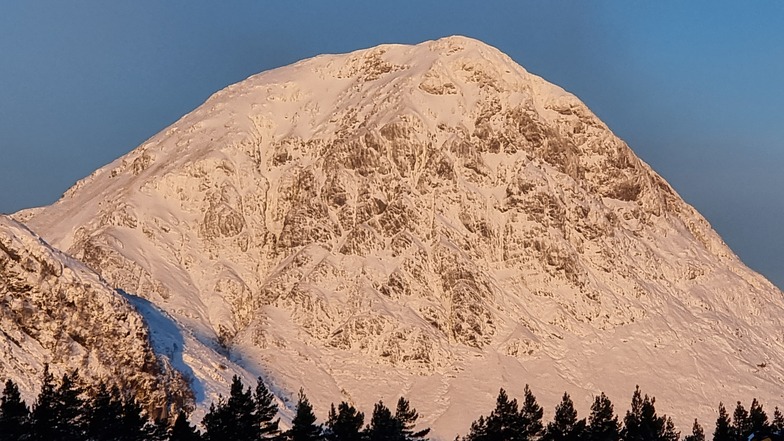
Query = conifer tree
x=182 y=430
x=383 y=425
x=303 y=426
x=135 y=426
x=777 y=424
x=43 y=417
x=104 y=413
x=669 y=433
x=478 y=431
x=758 y=419
x=723 y=431
x=531 y=416
x=14 y=415
x=631 y=422
x=564 y=426
x=158 y=430
x=216 y=422
x=59 y=412
x=241 y=410
x=503 y=423
x=265 y=411
x=697 y=434
x=345 y=424
x=602 y=422
x=641 y=422
x=741 y=425
x=407 y=417
x=652 y=427
x=235 y=418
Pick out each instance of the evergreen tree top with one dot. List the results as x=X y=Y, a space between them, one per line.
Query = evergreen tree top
x=345 y=424
x=14 y=414
x=565 y=426
x=697 y=433
x=407 y=417
x=723 y=430
x=303 y=426
x=602 y=422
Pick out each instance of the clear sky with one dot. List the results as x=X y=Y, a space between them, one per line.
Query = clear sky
x=695 y=87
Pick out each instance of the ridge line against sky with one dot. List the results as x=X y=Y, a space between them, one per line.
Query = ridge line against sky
x=693 y=87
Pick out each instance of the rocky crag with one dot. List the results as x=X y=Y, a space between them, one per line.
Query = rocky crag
x=56 y=311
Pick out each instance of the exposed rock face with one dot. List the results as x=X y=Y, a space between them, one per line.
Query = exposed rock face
x=433 y=218
x=55 y=310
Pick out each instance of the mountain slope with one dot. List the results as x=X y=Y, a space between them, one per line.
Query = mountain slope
x=427 y=220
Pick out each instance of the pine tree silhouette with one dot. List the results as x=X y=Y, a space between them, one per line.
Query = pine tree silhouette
x=407 y=416
x=158 y=430
x=303 y=426
x=14 y=414
x=565 y=426
x=235 y=418
x=651 y=425
x=741 y=425
x=777 y=424
x=104 y=413
x=182 y=430
x=43 y=417
x=345 y=424
x=383 y=426
x=216 y=422
x=241 y=409
x=631 y=422
x=641 y=422
x=697 y=434
x=135 y=426
x=531 y=416
x=602 y=422
x=669 y=433
x=723 y=431
x=59 y=412
x=503 y=423
x=758 y=419
x=478 y=431
x=62 y=413
x=265 y=411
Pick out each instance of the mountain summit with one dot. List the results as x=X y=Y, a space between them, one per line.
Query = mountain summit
x=430 y=221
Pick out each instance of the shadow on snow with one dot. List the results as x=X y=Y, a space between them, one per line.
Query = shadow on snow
x=166 y=338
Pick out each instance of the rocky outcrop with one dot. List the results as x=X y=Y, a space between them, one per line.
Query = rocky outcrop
x=54 y=310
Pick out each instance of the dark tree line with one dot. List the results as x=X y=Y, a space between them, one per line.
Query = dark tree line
x=63 y=412
x=512 y=422
x=66 y=411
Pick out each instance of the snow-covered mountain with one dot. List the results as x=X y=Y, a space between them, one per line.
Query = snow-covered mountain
x=430 y=221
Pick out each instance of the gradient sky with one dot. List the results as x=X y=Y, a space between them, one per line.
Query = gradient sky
x=695 y=87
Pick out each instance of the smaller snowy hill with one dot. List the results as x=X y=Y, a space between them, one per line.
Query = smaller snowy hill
x=55 y=310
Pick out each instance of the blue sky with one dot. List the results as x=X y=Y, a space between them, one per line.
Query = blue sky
x=695 y=87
